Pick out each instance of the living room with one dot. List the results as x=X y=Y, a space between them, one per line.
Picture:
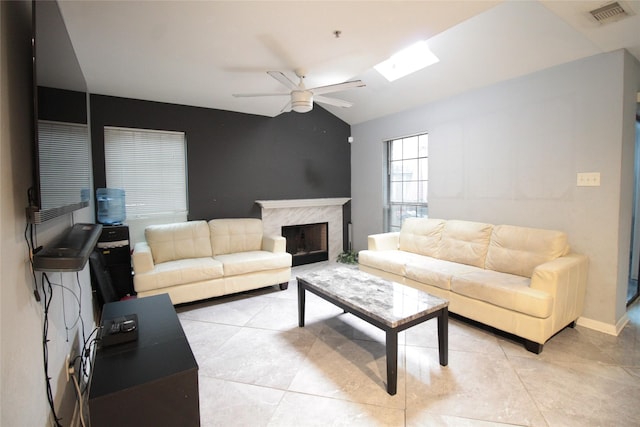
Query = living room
x=507 y=152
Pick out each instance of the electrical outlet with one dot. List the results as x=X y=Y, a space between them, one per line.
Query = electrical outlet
x=68 y=366
x=588 y=179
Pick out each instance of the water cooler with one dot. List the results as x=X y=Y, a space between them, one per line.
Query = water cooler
x=114 y=245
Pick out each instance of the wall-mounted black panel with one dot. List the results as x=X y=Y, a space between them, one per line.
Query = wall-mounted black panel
x=234 y=158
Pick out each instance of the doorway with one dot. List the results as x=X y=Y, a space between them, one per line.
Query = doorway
x=633 y=289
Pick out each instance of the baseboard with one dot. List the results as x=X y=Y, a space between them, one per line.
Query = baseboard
x=607 y=328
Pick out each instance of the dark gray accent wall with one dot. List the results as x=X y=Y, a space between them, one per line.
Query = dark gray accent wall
x=235 y=158
x=62 y=105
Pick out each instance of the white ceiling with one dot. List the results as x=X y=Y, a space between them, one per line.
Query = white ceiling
x=201 y=52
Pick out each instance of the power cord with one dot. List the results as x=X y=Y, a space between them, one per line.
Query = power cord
x=86 y=350
x=30 y=246
x=85 y=357
x=79 y=394
x=45 y=347
x=78 y=318
x=29 y=237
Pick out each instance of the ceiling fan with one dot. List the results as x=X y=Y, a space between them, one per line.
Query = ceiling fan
x=302 y=98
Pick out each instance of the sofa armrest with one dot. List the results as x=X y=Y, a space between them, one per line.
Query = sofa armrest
x=565 y=279
x=383 y=241
x=142 y=258
x=274 y=244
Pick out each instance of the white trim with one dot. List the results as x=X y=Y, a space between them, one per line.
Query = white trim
x=302 y=203
x=607 y=328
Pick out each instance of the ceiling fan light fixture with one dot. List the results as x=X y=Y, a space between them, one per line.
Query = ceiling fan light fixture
x=301 y=101
x=301 y=98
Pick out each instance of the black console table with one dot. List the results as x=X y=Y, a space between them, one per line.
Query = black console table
x=152 y=381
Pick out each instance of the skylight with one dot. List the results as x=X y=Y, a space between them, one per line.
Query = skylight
x=407 y=61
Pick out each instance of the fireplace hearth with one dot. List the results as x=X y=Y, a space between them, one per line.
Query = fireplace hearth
x=307 y=243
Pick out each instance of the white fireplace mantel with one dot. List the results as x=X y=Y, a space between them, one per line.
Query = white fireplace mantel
x=302 y=203
x=279 y=213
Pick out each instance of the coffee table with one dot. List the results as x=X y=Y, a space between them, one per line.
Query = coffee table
x=390 y=306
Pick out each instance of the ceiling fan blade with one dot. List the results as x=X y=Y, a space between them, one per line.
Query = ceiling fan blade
x=333 y=101
x=337 y=87
x=286 y=108
x=279 y=76
x=245 y=95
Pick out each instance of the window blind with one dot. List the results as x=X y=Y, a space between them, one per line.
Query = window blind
x=64 y=163
x=150 y=166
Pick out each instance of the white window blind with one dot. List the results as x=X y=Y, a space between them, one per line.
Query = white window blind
x=150 y=166
x=64 y=164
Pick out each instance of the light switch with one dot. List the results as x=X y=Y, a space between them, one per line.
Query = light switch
x=588 y=179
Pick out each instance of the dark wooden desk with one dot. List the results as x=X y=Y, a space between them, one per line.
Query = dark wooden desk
x=152 y=381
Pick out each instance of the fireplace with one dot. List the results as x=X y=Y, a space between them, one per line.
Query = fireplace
x=279 y=213
x=307 y=243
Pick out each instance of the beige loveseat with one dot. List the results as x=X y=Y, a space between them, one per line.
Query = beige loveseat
x=195 y=260
x=523 y=281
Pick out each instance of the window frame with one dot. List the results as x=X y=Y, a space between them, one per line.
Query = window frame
x=148 y=202
x=417 y=206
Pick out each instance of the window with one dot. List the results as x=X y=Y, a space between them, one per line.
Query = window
x=151 y=167
x=407 y=180
x=407 y=61
x=63 y=162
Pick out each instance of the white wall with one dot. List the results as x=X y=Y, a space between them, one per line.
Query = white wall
x=23 y=399
x=509 y=153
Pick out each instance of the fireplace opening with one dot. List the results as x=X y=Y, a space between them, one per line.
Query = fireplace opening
x=307 y=243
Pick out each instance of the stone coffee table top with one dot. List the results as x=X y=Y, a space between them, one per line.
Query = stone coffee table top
x=390 y=303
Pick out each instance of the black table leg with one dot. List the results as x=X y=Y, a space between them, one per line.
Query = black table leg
x=443 y=336
x=301 y=301
x=392 y=362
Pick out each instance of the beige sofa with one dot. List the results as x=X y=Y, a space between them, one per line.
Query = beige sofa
x=196 y=260
x=523 y=281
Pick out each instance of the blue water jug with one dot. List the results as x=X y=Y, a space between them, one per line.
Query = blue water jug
x=111 y=209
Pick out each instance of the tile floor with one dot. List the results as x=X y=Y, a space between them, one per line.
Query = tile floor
x=258 y=368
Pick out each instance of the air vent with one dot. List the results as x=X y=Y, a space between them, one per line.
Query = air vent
x=609 y=13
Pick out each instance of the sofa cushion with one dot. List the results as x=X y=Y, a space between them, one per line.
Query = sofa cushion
x=253 y=261
x=435 y=272
x=232 y=235
x=421 y=236
x=465 y=242
x=391 y=261
x=519 y=250
x=182 y=240
x=504 y=290
x=179 y=272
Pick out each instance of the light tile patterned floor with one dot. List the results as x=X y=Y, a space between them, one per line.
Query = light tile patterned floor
x=258 y=368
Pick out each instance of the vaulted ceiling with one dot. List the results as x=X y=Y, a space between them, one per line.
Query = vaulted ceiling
x=201 y=52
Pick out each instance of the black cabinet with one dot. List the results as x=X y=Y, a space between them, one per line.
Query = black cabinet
x=152 y=381
x=116 y=254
